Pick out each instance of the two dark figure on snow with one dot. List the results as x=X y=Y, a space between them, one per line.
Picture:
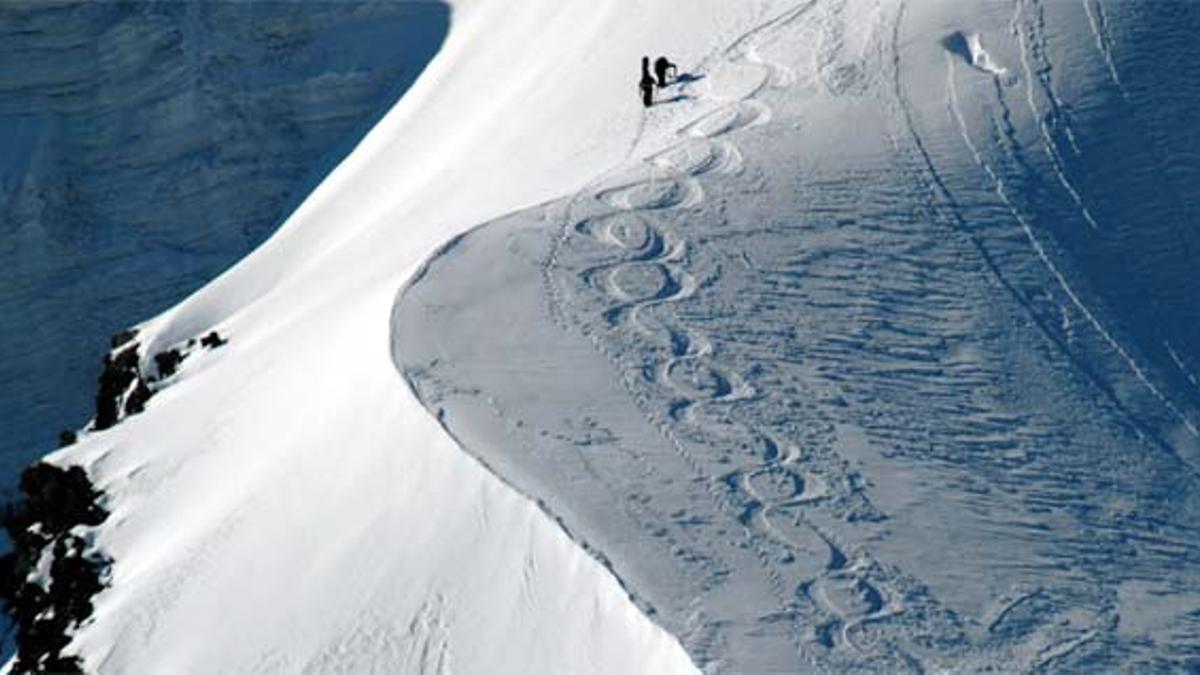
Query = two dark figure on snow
x=663 y=69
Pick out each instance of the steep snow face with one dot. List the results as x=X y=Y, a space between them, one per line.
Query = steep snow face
x=876 y=356
x=812 y=359
x=286 y=497
x=145 y=147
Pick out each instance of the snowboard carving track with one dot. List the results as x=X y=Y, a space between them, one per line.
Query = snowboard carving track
x=816 y=586
x=779 y=371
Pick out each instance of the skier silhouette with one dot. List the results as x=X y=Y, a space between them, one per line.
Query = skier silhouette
x=662 y=67
x=646 y=85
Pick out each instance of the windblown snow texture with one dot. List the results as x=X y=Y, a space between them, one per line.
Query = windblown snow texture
x=285 y=496
x=884 y=363
x=872 y=347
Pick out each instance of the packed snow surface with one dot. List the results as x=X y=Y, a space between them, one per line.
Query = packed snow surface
x=866 y=349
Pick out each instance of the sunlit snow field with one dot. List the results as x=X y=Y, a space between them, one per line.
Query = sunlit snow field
x=874 y=346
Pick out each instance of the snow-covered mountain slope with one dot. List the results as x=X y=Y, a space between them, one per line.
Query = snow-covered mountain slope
x=874 y=367
x=286 y=497
x=808 y=368
x=146 y=147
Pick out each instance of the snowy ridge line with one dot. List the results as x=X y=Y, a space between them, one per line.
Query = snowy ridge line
x=329 y=474
x=1065 y=286
x=938 y=188
x=1056 y=161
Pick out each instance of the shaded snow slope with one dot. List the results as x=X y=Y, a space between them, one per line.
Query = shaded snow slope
x=883 y=363
x=147 y=146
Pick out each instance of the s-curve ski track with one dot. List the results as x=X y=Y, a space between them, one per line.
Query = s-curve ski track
x=803 y=374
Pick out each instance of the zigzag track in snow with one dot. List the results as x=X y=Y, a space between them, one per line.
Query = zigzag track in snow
x=837 y=375
x=701 y=157
x=649 y=273
x=730 y=118
x=654 y=194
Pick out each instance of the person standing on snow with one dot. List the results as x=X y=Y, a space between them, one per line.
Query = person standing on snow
x=647 y=83
x=662 y=67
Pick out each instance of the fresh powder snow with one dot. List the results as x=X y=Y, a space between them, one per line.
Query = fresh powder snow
x=869 y=347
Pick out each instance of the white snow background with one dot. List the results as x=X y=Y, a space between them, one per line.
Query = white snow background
x=871 y=350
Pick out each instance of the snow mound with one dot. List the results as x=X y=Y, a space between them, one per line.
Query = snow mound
x=970 y=47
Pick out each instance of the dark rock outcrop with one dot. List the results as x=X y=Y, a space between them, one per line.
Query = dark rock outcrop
x=122 y=337
x=167 y=362
x=48 y=581
x=136 y=402
x=56 y=500
x=122 y=388
x=120 y=371
x=59 y=498
x=213 y=340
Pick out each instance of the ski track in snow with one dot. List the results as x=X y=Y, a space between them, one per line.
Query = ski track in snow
x=1002 y=191
x=1098 y=23
x=812 y=378
x=1056 y=160
x=632 y=256
x=1183 y=369
x=692 y=375
x=768 y=496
